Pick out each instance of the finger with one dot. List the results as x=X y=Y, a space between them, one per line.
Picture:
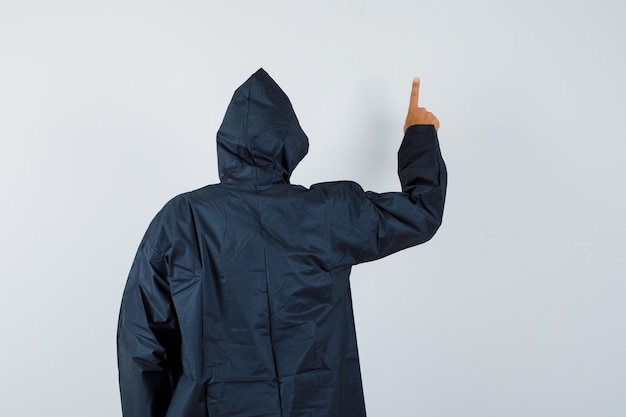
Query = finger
x=415 y=93
x=436 y=122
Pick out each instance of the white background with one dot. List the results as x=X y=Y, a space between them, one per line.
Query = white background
x=516 y=308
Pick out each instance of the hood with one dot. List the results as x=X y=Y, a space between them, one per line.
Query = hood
x=260 y=139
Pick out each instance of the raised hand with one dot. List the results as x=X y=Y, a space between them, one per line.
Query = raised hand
x=418 y=115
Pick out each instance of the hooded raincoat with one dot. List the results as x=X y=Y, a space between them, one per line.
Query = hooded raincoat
x=238 y=300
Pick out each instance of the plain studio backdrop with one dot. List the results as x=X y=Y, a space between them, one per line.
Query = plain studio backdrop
x=516 y=307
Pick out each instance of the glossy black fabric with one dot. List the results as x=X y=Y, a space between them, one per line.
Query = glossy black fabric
x=238 y=301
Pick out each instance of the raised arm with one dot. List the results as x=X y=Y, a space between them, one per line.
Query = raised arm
x=372 y=225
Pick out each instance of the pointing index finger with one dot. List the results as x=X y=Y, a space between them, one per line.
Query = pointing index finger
x=415 y=93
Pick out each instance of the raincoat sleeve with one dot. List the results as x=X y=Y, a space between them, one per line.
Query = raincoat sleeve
x=372 y=225
x=148 y=338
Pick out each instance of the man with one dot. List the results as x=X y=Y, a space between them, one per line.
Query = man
x=238 y=301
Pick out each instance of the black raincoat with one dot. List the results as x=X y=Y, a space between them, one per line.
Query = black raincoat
x=238 y=300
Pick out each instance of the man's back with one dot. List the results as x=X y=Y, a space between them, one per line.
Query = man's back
x=238 y=302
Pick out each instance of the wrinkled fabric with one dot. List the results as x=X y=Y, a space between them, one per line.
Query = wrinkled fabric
x=238 y=300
